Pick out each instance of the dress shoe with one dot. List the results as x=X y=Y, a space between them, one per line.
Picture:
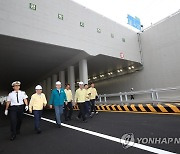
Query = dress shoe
x=38 y=131
x=59 y=125
x=13 y=137
x=84 y=121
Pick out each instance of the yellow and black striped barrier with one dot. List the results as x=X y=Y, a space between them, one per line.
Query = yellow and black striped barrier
x=173 y=108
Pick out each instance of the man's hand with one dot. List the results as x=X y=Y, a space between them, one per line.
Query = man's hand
x=6 y=112
x=50 y=106
x=97 y=97
x=30 y=111
x=26 y=108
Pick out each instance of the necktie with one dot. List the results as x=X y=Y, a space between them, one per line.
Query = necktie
x=17 y=97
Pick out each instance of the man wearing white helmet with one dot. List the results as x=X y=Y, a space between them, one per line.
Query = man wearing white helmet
x=37 y=102
x=15 y=103
x=80 y=98
x=58 y=97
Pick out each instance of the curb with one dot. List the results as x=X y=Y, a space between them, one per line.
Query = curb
x=145 y=108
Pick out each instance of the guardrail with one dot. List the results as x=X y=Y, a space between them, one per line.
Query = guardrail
x=163 y=94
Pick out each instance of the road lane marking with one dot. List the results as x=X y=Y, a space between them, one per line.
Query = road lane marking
x=108 y=137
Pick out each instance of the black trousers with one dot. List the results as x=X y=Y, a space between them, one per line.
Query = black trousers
x=93 y=107
x=68 y=110
x=16 y=116
x=81 y=111
x=37 y=118
x=87 y=108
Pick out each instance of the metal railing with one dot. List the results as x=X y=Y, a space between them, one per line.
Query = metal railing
x=153 y=95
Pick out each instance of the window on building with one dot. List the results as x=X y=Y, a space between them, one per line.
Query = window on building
x=112 y=35
x=60 y=16
x=32 y=6
x=98 y=30
x=123 y=40
x=82 y=24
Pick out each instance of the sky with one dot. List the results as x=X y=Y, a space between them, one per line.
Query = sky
x=149 y=11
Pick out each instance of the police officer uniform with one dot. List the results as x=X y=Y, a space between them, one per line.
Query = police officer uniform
x=16 y=109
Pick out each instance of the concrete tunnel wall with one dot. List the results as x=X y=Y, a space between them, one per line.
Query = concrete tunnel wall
x=43 y=25
x=161 y=53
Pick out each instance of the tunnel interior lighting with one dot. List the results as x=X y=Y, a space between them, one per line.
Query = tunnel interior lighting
x=110 y=73
x=129 y=68
x=94 y=77
x=120 y=70
x=102 y=75
x=132 y=67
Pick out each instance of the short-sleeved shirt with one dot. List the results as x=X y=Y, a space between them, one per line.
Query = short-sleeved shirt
x=16 y=98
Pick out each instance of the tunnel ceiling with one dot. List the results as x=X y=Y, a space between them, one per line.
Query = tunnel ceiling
x=26 y=60
x=101 y=64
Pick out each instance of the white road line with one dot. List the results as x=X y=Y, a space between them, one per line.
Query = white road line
x=111 y=138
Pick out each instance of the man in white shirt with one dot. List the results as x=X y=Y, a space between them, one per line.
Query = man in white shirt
x=15 y=103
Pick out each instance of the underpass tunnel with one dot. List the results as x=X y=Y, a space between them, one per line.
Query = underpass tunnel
x=35 y=63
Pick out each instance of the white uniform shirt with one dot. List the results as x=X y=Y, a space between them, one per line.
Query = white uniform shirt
x=12 y=98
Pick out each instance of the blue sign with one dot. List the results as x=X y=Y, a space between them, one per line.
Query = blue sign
x=134 y=21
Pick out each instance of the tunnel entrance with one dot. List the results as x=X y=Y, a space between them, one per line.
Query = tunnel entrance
x=32 y=62
x=26 y=60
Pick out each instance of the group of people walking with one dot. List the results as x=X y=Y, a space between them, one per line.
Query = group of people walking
x=61 y=100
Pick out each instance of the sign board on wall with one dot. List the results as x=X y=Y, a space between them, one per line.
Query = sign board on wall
x=134 y=21
x=121 y=55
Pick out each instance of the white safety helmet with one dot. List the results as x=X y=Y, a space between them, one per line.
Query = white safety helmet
x=81 y=83
x=58 y=83
x=38 y=87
